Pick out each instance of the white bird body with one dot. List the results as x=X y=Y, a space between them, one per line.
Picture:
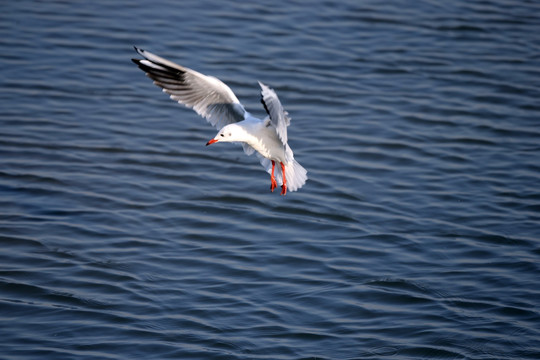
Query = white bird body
x=252 y=131
x=216 y=102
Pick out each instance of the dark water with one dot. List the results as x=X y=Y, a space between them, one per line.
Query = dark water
x=417 y=236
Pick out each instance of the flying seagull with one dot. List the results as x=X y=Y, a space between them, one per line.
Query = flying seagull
x=215 y=101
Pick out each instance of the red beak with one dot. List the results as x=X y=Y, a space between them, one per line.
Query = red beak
x=211 y=142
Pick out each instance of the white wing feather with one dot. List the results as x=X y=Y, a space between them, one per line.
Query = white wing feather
x=279 y=117
x=207 y=95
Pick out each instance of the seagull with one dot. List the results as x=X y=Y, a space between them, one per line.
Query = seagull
x=215 y=101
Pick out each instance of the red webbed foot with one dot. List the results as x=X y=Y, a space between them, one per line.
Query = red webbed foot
x=273 y=184
x=284 y=186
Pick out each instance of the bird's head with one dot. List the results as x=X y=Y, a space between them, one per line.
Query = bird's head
x=229 y=133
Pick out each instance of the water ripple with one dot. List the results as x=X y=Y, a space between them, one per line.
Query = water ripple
x=416 y=235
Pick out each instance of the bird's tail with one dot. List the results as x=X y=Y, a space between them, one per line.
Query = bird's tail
x=295 y=174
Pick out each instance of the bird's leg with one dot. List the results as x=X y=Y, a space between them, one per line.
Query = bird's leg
x=284 y=186
x=273 y=183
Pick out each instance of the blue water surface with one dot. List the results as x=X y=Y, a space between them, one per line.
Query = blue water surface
x=417 y=235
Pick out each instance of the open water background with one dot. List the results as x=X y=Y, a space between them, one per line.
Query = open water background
x=417 y=236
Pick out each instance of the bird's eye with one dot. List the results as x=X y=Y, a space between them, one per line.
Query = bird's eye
x=222 y=135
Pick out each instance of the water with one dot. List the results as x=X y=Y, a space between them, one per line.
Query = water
x=417 y=236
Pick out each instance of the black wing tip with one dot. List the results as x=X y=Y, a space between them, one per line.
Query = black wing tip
x=165 y=75
x=263 y=86
x=138 y=50
x=264 y=104
x=178 y=72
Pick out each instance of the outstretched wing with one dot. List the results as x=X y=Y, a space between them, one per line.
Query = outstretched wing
x=278 y=117
x=207 y=95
